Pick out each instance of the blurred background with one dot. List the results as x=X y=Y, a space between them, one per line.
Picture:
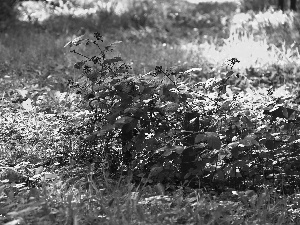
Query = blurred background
x=171 y=33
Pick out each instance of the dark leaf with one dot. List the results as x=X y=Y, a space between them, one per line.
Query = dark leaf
x=281 y=112
x=213 y=140
x=200 y=138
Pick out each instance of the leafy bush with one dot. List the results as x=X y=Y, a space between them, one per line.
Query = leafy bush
x=160 y=127
x=143 y=111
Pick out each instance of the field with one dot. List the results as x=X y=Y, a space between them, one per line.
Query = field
x=149 y=112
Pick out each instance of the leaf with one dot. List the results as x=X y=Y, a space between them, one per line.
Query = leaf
x=222 y=155
x=22 y=92
x=48 y=176
x=168 y=151
x=222 y=89
x=93 y=76
x=238 y=174
x=249 y=193
x=200 y=138
x=79 y=65
x=155 y=170
x=171 y=107
x=57 y=95
x=281 y=112
x=123 y=120
x=229 y=91
x=179 y=149
x=249 y=140
x=111 y=202
x=39 y=170
x=272 y=144
x=285 y=112
x=106 y=128
x=247 y=121
x=27 y=105
x=160 y=149
x=233 y=144
x=131 y=110
x=34 y=192
x=229 y=73
x=213 y=140
x=226 y=105
x=186 y=176
x=220 y=175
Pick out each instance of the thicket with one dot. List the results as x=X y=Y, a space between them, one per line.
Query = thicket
x=165 y=127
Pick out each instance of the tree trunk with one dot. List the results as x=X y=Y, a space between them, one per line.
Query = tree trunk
x=294 y=5
x=281 y=4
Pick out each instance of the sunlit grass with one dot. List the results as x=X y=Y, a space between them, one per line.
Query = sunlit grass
x=251 y=46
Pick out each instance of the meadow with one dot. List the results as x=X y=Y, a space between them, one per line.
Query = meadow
x=82 y=85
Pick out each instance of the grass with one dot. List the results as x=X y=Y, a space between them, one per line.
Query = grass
x=36 y=62
x=87 y=202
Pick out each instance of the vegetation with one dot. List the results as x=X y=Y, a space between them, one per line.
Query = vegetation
x=173 y=114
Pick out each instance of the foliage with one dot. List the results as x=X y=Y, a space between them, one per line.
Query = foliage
x=218 y=137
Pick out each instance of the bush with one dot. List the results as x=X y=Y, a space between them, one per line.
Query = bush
x=162 y=129
x=145 y=123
